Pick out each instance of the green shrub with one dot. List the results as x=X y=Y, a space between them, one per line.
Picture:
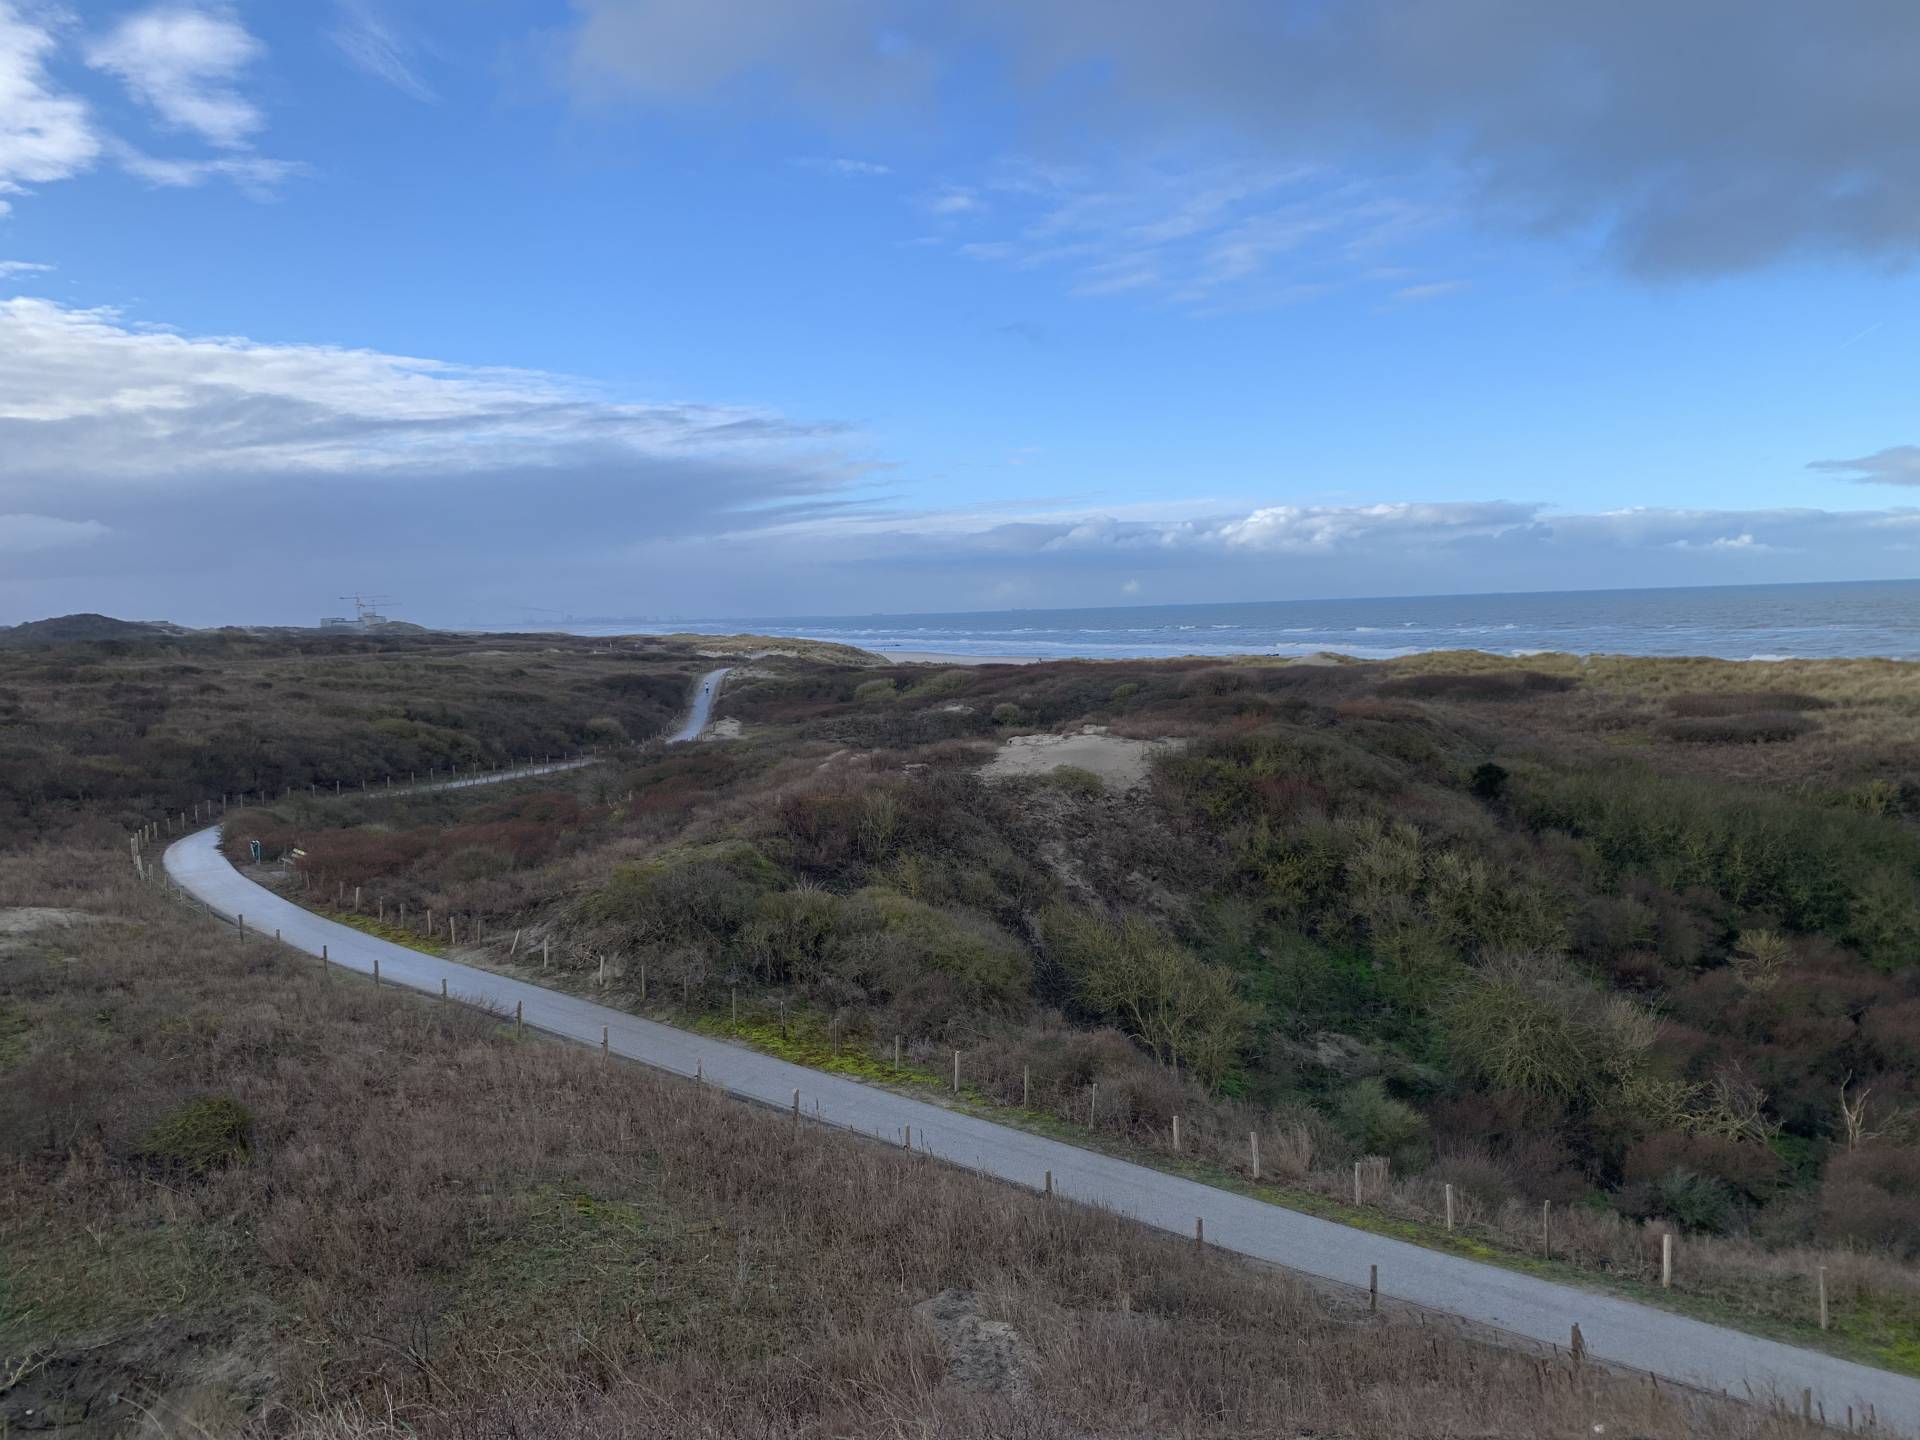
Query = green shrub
x=1489 y=781
x=1382 y=1125
x=1818 y=868
x=698 y=894
x=1082 y=784
x=872 y=690
x=1186 y=1011
x=1696 y=1201
x=885 y=940
x=1008 y=713
x=1531 y=1024
x=201 y=1135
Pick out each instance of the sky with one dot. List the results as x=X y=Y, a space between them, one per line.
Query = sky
x=510 y=310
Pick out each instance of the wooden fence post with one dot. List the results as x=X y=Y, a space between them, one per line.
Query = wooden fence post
x=1666 y=1261
x=606 y=1042
x=1822 y=1278
x=1373 y=1288
x=545 y=954
x=1546 y=1231
x=443 y=989
x=1356 y=1182
x=1253 y=1139
x=1199 y=1230
x=896 y=1054
x=519 y=1019
x=796 y=1104
x=1449 y=1196
x=323 y=963
x=1176 y=1134
x=956 y=1072
x=376 y=972
x=1047 y=1190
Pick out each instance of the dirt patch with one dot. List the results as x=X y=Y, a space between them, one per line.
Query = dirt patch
x=722 y=730
x=173 y=1378
x=1121 y=762
x=18 y=922
x=984 y=1356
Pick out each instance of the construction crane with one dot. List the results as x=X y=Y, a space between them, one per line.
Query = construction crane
x=366 y=608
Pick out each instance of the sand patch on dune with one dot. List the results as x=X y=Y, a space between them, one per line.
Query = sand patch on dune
x=1121 y=762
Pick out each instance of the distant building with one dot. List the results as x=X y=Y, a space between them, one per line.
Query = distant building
x=336 y=622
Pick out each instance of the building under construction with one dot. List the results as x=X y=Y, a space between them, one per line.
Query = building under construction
x=366 y=613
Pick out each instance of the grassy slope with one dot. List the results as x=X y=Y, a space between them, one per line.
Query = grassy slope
x=472 y=1234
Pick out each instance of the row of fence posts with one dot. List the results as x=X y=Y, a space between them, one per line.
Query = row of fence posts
x=1026 y=1088
x=1810 y=1413
x=179 y=822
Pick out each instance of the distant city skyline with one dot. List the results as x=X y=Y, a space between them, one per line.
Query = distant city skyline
x=735 y=307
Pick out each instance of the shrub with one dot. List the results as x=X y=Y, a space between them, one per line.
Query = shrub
x=1719 y=703
x=1750 y=1170
x=1871 y=1196
x=1529 y=1023
x=201 y=1135
x=1008 y=713
x=1483 y=685
x=1695 y=1201
x=1489 y=781
x=1186 y=1011
x=696 y=894
x=1757 y=728
x=1082 y=784
x=871 y=690
x=883 y=940
x=1382 y=1125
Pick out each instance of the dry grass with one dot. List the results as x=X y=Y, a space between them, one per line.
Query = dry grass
x=442 y=1230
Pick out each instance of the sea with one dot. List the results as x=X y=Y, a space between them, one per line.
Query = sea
x=1735 y=622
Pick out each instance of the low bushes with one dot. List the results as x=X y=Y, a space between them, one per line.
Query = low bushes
x=1483 y=685
x=1765 y=727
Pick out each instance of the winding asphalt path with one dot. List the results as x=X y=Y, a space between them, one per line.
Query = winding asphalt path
x=1618 y=1331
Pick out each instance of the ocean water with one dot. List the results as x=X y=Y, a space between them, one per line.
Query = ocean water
x=1744 y=622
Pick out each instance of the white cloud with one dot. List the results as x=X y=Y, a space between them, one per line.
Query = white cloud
x=1436 y=290
x=954 y=200
x=181 y=62
x=20 y=534
x=258 y=176
x=846 y=166
x=1204 y=235
x=375 y=48
x=85 y=394
x=45 y=133
x=11 y=268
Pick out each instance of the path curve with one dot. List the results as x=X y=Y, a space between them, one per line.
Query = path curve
x=1619 y=1331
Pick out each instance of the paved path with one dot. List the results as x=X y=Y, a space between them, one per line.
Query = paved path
x=1618 y=1331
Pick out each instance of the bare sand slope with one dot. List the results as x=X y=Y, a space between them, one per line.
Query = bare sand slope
x=1121 y=762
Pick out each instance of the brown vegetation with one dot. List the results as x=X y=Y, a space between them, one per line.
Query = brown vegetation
x=375 y=1216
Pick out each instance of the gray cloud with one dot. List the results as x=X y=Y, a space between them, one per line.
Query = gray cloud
x=1698 y=138
x=1896 y=465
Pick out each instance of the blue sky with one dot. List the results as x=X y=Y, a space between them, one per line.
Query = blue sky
x=746 y=307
